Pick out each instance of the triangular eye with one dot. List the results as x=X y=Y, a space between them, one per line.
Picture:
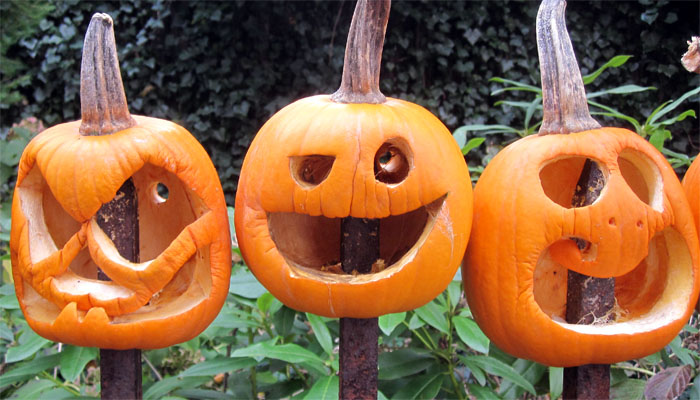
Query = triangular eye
x=309 y=171
x=50 y=226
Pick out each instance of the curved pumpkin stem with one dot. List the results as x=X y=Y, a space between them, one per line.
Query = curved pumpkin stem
x=102 y=99
x=363 y=54
x=563 y=96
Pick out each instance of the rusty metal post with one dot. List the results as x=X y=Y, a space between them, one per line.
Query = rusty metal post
x=359 y=338
x=588 y=300
x=120 y=370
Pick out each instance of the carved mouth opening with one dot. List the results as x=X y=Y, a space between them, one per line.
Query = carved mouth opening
x=312 y=243
x=644 y=297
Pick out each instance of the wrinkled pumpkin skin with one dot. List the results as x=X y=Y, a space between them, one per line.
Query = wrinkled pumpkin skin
x=56 y=245
x=353 y=134
x=641 y=227
x=691 y=184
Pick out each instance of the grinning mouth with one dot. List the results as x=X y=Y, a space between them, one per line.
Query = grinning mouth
x=312 y=243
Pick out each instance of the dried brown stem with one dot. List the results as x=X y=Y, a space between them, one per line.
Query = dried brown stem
x=563 y=96
x=363 y=54
x=102 y=99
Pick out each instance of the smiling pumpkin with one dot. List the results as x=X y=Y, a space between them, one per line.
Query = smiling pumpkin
x=316 y=162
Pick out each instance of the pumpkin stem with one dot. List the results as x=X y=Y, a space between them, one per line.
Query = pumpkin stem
x=564 y=101
x=102 y=99
x=363 y=54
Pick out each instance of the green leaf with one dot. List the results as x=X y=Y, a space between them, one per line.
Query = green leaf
x=624 y=89
x=74 y=359
x=482 y=393
x=489 y=129
x=681 y=352
x=9 y=302
x=290 y=352
x=231 y=318
x=529 y=370
x=321 y=332
x=29 y=344
x=389 y=322
x=495 y=367
x=421 y=387
x=556 y=382
x=325 y=388
x=34 y=389
x=266 y=302
x=678 y=118
x=434 y=316
x=613 y=62
x=668 y=107
x=284 y=320
x=658 y=138
x=217 y=366
x=415 y=322
x=472 y=144
x=460 y=136
x=6 y=332
x=629 y=389
x=403 y=362
x=470 y=333
x=29 y=368
x=189 y=393
x=244 y=284
x=161 y=388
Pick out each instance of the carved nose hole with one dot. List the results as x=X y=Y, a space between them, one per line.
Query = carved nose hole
x=159 y=192
x=310 y=171
x=612 y=222
x=561 y=181
x=392 y=163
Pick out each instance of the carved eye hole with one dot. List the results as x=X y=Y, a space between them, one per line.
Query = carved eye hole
x=642 y=176
x=393 y=161
x=560 y=180
x=310 y=171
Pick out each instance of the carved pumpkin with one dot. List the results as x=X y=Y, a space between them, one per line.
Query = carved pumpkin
x=57 y=245
x=325 y=158
x=639 y=231
x=691 y=184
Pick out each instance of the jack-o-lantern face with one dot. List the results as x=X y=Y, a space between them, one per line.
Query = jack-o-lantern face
x=639 y=230
x=691 y=185
x=57 y=246
x=316 y=162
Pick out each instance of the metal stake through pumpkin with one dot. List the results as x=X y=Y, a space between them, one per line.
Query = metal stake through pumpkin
x=104 y=111
x=565 y=110
x=359 y=242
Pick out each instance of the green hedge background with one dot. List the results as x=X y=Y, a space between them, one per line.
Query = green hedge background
x=222 y=68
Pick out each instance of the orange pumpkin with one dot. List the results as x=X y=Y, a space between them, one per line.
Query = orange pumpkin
x=691 y=184
x=57 y=245
x=321 y=159
x=639 y=230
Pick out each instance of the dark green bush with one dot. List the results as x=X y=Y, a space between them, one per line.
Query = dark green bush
x=222 y=68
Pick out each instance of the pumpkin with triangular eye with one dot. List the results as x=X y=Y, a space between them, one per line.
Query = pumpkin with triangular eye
x=66 y=174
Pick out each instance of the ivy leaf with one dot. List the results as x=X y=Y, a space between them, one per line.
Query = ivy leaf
x=669 y=383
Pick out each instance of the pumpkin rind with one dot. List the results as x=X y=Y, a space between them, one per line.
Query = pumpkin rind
x=82 y=173
x=515 y=225
x=691 y=185
x=352 y=134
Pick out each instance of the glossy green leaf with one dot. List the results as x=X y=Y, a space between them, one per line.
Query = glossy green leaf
x=529 y=370
x=244 y=284
x=74 y=359
x=290 y=352
x=29 y=344
x=556 y=382
x=28 y=368
x=472 y=144
x=218 y=366
x=481 y=392
x=496 y=367
x=629 y=389
x=34 y=389
x=470 y=333
x=613 y=62
x=388 y=322
x=421 y=387
x=321 y=332
x=403 y=362
x=161 y=388
x=324 y=388
x=434 y=316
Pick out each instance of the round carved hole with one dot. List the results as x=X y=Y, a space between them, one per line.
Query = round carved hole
x=160 y=192
x=393 y=161
x=309 y=171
